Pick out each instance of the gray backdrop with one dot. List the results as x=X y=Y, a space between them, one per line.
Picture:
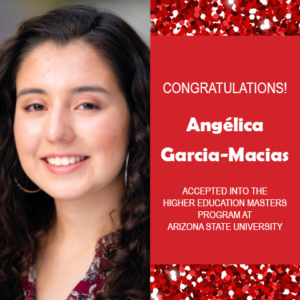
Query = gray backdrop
x=135 y=12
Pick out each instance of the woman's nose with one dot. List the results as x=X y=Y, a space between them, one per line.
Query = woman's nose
x=58 y=125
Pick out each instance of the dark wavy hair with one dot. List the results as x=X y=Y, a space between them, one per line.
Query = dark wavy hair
x=22 y=213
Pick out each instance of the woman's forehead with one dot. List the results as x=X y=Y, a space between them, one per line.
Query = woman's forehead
x=71 y=65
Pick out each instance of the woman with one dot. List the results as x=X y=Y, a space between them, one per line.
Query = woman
x=74 y=159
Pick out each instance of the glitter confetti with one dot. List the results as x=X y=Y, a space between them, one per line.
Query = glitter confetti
x=225 y=17
x=241 y=282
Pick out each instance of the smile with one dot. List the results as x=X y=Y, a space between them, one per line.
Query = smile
x=65 y=161
x=64 y=164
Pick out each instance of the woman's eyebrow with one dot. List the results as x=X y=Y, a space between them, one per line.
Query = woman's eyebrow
x=80 y=89
x=97 y=89
x=31 y=91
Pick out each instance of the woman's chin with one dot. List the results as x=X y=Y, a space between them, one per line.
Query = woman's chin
x=67 y=194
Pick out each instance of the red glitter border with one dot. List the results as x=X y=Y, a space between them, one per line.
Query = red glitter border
x=225 y=17
x=241 y=282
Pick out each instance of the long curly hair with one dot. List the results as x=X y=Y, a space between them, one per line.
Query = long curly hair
x=22 y=213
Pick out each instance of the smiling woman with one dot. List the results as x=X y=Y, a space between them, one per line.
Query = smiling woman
x=74 y=159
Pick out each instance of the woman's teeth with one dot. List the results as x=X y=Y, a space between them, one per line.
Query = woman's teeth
x=64 y=161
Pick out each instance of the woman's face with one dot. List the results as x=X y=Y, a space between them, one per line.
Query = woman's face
x=71 y=121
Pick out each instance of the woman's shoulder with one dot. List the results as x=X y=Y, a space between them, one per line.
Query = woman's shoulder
x=107 y=240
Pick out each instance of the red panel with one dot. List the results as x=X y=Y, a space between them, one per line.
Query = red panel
x=235 y=60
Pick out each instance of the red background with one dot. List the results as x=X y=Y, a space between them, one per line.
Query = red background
x=209 y=59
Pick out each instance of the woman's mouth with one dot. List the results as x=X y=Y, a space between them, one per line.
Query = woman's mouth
x=64 y=164
x=65 y=161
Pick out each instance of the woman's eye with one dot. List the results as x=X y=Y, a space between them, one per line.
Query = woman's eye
x=88 y=106
x=35 y=107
